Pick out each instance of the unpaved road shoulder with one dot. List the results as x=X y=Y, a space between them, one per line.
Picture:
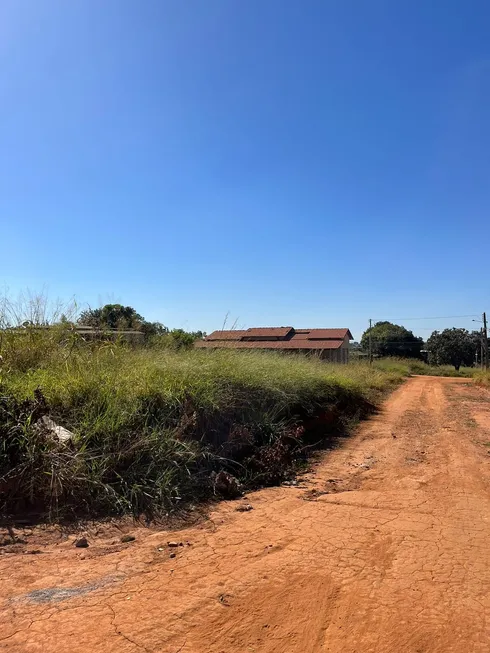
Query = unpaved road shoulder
x=383 y=548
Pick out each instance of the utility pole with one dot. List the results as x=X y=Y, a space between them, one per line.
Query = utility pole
x=481 y=347
x=370 y=342
x=485 y=340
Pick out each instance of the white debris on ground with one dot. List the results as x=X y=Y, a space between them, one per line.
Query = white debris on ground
x=49 y=425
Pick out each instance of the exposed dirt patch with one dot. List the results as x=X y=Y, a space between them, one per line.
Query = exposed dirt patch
x=389 y=555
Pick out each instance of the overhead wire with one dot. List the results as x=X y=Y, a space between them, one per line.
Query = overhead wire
x=440 y=317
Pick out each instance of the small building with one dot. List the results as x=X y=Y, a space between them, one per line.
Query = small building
x=328 y=344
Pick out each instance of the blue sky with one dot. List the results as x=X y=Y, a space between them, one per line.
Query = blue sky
x=309 y=163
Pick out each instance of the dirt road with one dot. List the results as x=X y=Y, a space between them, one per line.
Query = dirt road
x=384 y=547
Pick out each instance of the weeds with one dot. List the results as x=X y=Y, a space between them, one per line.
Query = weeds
x=152 y=425
x=482 y=377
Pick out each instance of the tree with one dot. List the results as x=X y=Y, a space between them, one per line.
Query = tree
x=477 y=340
x=452 y=347
x=91 y=317
x=116 y=316
x=153 y=329
x=111 y=316
x=389 y=339
x=181 y=339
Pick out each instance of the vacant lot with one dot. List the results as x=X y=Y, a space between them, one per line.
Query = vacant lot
x=152 y=426
x=382 y=547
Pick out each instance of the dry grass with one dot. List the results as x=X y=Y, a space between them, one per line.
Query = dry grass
x=482 y=377
x=152 y=425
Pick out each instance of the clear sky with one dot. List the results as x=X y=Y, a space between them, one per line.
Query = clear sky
x=308 y=163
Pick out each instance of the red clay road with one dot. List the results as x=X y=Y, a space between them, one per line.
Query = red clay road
x=384 y=548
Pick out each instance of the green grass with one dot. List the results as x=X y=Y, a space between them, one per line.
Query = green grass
x=153 y=425
x=482 y=377
x=407 y=367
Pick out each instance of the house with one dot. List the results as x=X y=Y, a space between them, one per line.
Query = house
x=328 y=344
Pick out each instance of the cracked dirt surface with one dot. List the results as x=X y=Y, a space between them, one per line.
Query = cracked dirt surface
x=383 y=547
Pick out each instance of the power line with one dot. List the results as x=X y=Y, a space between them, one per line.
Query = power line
x=454 y=326
x=395 y=342
x=440 y=317
x=432 y=328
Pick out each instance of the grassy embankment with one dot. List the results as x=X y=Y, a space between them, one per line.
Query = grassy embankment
x=152 y=425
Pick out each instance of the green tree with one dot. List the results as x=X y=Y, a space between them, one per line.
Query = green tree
x=477 y=339
x=389 y=339
x=181 y=339
x=452 y=347
x=116 y=316
x=91 y=317
x=111 y=316
x=151 y=329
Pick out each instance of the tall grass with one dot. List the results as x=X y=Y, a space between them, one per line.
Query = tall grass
x=151 y=426
x=482 y=377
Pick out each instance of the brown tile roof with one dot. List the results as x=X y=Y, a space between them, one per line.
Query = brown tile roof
x=234 y=334
x=276 y=338
x=300 y=336
x=329 y=334
x=271 y=332
x=261 y=332
x=269 y=344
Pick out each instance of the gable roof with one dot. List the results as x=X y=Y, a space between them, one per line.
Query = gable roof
x=329 y=334
x=261 y=332
x=268 y=332
x=269 y=344
x=276 y=338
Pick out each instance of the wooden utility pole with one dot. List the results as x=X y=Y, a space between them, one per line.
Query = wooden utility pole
x=370 y=342
x=485 y=340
